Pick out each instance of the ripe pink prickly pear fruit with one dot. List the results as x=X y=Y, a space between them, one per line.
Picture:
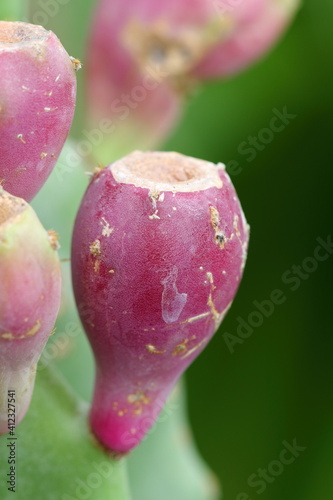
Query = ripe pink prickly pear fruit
x=37 y=102
x=159 y=247
x=254 y=27
x=144 y=56
x=30 y=288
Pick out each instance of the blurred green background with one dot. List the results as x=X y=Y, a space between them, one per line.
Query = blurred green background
x=277 y=385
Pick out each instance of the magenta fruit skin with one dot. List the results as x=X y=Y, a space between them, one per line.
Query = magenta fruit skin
x=37 y=102
x=30 y=290
x=143 y=56
x=137 y=102
x=256 y=25
x=154 y=272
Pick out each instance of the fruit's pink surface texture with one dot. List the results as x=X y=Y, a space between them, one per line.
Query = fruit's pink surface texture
x=159 y=248
x=144 y=56
x=37 y=102
x=254 y=27
x=30 y=288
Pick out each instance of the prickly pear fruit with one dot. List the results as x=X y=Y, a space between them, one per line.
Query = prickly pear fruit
x=30 y=288
x=159 y=247
x=252 y=27
x=37 y=102
x=145 y=56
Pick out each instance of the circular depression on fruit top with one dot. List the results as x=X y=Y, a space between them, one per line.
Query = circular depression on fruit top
x=164 y=171
x=18 y=33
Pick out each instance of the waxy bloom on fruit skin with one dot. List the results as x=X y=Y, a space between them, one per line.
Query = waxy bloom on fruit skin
x=144 y=57
x=30 y=289
x=37 y=102
x=159 y=247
